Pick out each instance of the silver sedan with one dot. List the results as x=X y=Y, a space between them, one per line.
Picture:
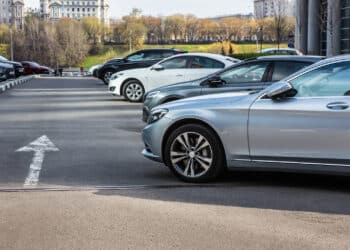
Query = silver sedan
x=299 y=124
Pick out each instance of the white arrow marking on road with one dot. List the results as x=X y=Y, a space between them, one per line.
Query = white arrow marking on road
x=39 y=147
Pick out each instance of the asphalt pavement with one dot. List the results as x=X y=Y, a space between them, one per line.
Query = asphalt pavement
x=96 y=191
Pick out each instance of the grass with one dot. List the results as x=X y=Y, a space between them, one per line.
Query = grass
x=122 y=50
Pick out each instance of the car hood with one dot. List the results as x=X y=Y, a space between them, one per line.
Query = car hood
x=206 y=100
x=180 y=85
x=133 y=72
x=17 y=64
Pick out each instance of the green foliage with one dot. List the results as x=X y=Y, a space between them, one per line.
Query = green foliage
x=244 y=51
x=4 y=50
x=244 y=56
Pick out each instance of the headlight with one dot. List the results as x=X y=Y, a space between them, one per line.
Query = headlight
x=157 y=115
x=152 y=94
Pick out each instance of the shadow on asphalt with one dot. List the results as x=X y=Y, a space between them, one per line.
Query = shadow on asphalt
x=277 y=191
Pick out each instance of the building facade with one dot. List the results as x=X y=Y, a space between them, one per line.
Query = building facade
x=12 y=13
x=269 y=8
x=56 y=9
x=323 y=27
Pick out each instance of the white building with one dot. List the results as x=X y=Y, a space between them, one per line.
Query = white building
x=12 y=12
x=268 y=8
x=56 y=9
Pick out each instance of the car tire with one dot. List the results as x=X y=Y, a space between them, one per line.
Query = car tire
x=133 y=91
x=106 y=76
x=200 y=166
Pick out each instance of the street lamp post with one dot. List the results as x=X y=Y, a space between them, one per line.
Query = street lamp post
x=11 y=44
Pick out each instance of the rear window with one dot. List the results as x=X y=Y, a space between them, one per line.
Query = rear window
x=284 y=69
x=206 y=63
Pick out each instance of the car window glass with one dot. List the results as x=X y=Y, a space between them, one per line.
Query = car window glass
x=251 y=72
x=199 y=62
x=284 y=69
x=330 y=80
x=175 y=63
x=136 y=57
x=153 y=55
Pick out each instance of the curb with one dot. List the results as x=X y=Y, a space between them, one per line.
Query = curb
x=12 y=83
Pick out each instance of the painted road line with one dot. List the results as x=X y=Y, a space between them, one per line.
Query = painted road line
x=40 y=146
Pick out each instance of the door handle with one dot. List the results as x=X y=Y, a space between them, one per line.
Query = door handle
x=179 y=75
x=338 y=106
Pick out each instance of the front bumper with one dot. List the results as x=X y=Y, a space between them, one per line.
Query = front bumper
x=152 y=136
x=151 y=156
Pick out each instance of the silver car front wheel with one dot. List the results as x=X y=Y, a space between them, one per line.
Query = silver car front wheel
x=194 y=153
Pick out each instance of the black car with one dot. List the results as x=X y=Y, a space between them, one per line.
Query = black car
x=139 y=59
x=250 y=75
x=6 y=71
x=16 y=65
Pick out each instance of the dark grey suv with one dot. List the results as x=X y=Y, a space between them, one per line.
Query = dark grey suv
x=250 y=75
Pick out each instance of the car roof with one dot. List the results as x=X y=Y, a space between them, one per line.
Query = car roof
x=311 y=59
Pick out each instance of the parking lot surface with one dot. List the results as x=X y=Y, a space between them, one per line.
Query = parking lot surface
x=96 y=191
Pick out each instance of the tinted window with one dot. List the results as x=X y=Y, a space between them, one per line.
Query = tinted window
x=206 y=63
x=251 y=72
x=175 y=63
x=136 y=57
x=284 y=69
x=153 y=55
x=330 y=80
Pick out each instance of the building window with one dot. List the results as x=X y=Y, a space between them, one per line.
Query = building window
x=345 y=27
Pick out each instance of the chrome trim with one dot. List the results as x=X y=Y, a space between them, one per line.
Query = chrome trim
x=304 y=163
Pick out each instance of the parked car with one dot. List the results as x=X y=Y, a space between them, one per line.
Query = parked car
x=93 y=70
x=281 y=51
x=31 y=68
x=298 y=124
x=253 y=74
x=133 y=84
x=16 y=65
x=139 y=59
x=6 y=71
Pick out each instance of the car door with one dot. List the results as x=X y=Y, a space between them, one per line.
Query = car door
x=171 y=71
x=247 y=76
x=311 y=128
x=203 y=66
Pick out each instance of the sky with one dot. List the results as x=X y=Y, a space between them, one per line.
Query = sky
x=200 y=8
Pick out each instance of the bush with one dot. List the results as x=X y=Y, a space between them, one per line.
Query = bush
x=4 y=50
x=244 y=56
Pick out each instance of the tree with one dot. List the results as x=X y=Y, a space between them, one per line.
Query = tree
x=279 y=20
x=176 y=27
x=72 y=41
x=93 y=28
x=4 y=34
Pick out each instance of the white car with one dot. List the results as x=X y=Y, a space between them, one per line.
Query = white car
x=133 y=84
x=92 y=69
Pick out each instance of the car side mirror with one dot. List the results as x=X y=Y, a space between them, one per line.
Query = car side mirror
x=157 y=67
x=281 y=90
x=215 y=81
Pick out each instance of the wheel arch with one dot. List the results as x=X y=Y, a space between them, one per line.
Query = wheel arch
x=183 y=122
x=127 y=80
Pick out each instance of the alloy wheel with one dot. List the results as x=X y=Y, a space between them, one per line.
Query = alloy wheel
x=191 y=154
x=134 y=92
x=107 y=76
